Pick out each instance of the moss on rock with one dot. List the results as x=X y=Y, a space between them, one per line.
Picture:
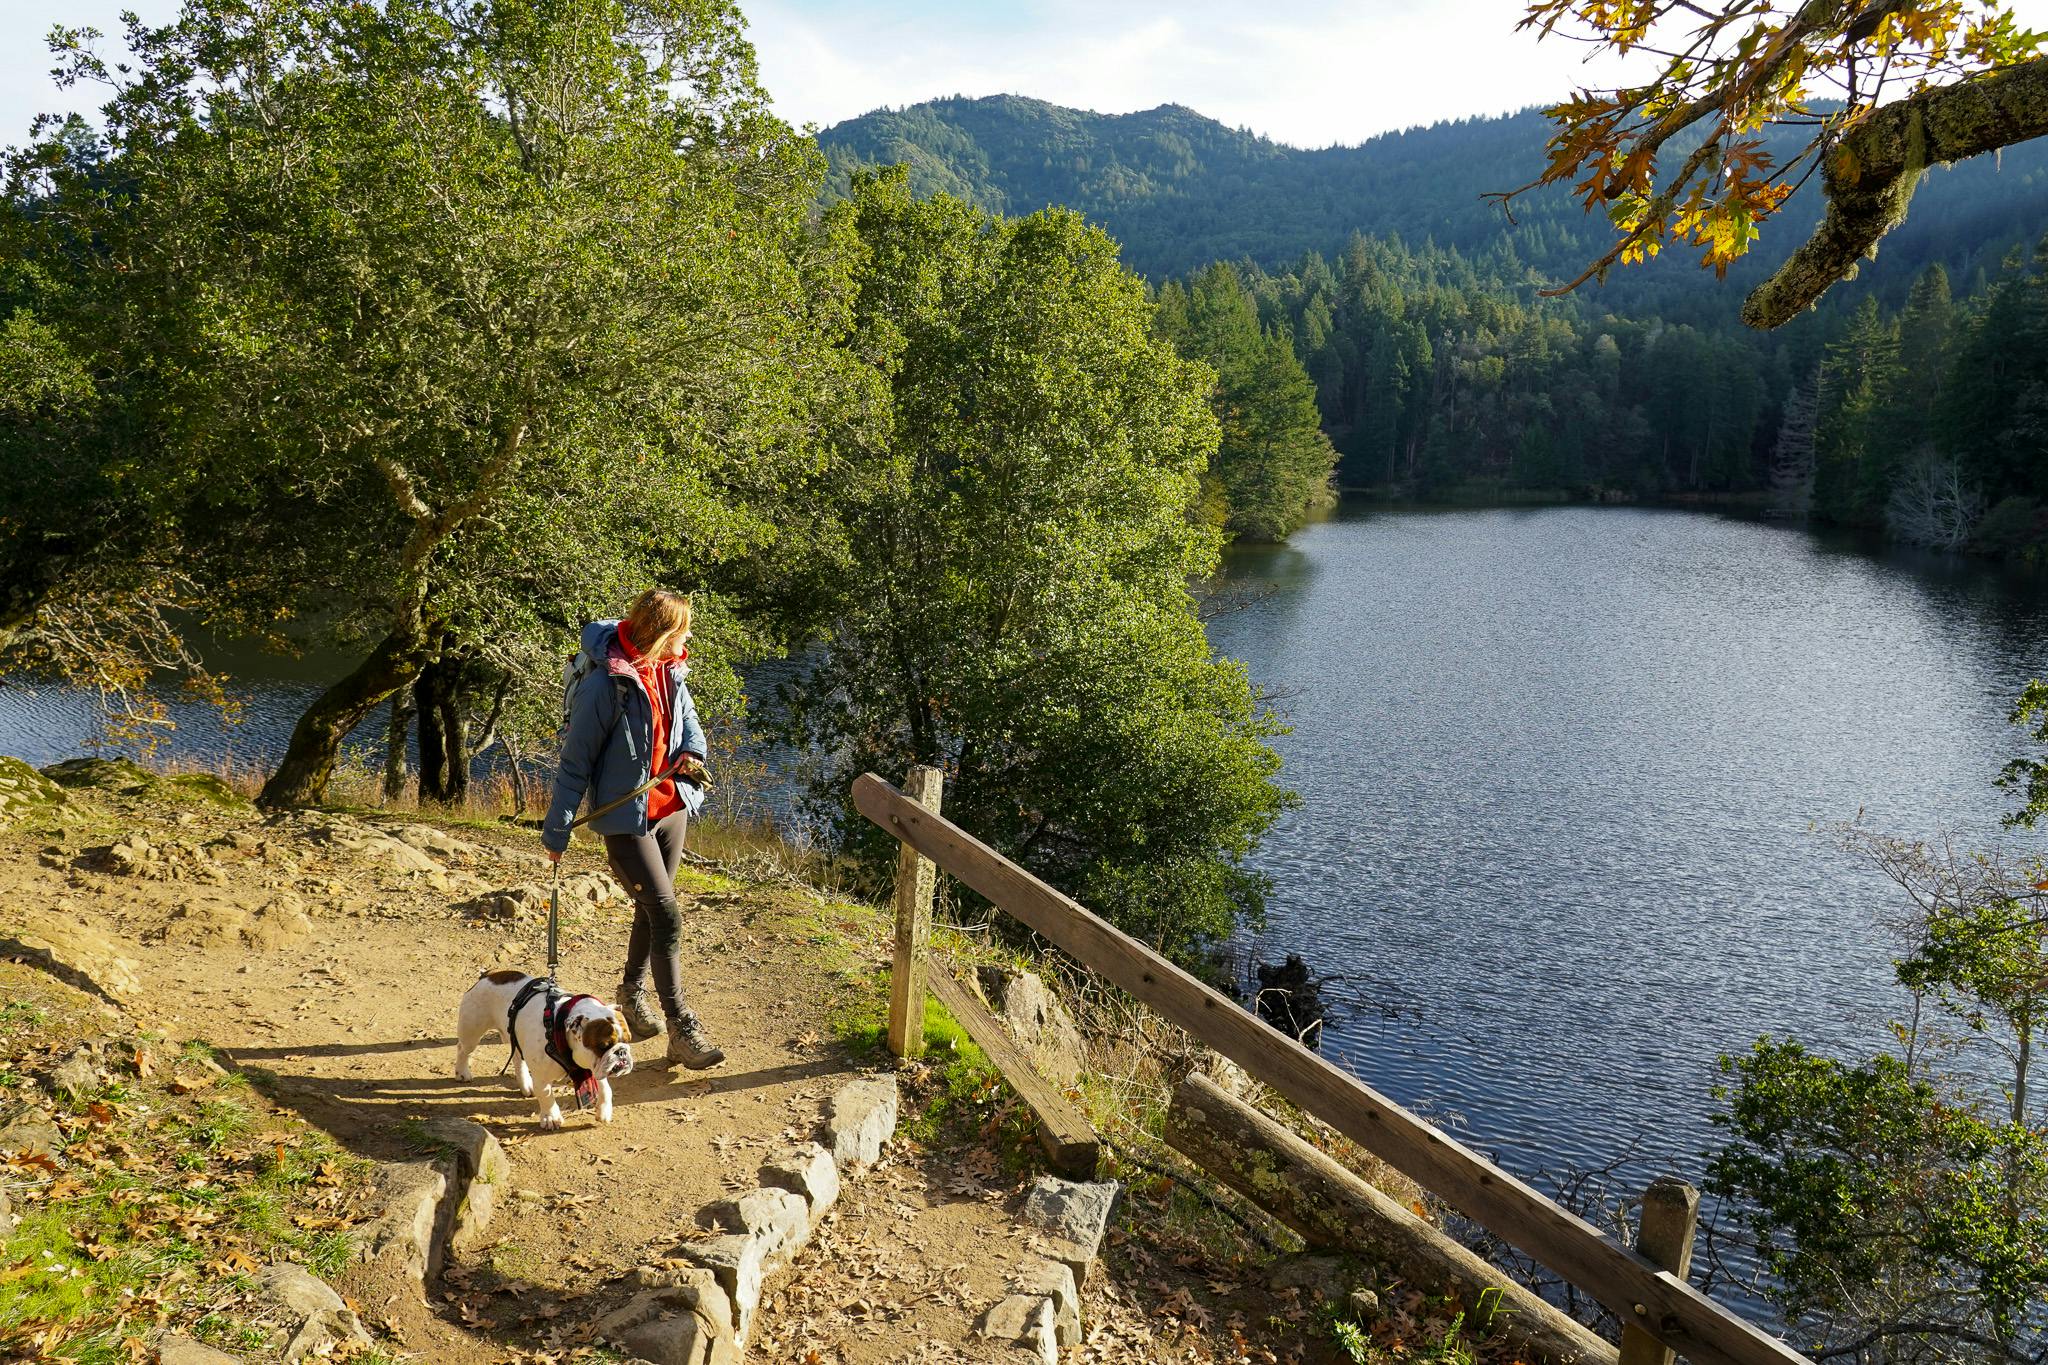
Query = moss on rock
x=117 y=775
x=24 y=791
x=207 y=787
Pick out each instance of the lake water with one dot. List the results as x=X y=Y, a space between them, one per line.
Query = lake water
x=1560 y=770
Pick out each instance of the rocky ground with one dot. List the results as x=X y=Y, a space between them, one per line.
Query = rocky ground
x=226 y=1031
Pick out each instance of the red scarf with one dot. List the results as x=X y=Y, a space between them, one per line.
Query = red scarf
x=663 y=800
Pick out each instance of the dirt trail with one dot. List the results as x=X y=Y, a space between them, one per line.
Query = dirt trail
x=326 y=957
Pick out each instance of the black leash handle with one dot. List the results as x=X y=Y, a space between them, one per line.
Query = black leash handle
x=554 y=915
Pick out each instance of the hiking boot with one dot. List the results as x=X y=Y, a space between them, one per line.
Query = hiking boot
x=643 y=1020
x=690 y=1045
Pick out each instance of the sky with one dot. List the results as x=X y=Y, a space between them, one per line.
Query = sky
x=1306 y=72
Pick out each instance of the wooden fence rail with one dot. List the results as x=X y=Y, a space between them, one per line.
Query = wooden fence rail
x=1642 y=1294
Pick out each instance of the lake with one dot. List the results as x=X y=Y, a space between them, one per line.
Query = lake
x=1560 y=772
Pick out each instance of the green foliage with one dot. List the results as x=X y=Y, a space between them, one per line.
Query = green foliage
x=1008 y=593
x=1986 y=960
x=1437 y=370
x=1272 y=467
x=1873 y=1199
x=2029 y=776
x=2012 y=529
x=467 y=298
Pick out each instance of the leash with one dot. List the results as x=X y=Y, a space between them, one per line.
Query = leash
x=554 y=916
x=672 y=770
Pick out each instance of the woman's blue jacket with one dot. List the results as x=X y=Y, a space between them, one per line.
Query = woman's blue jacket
x=611 y=727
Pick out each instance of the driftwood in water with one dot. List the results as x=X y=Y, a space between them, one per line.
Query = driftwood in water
x=1334 y=1209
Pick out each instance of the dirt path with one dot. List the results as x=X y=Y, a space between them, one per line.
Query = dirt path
x=326 y=954
x=327 y=963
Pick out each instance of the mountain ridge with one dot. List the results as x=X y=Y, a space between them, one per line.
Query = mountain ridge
x=1179 y=189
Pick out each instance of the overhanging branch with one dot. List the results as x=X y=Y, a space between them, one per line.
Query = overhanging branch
x=1870 y=176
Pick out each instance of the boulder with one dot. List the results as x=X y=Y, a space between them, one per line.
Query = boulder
x=435 y=842
x=734 y=1260
x=1026 y=1319
x=296 y=1290
x=1073 y=1216
x=777 y=1219
x=859 y=1120
x=807 y=1170
x=7 y=1218
x=1326 y=1279
x=205 y=787
x=182 y=1350
x=31 y=1131
x=24 y=792
x=686 y=1320
x=76 y=954
x=513 y=903
x=319 y=1334
x=134 y=856
x=405 y=1234
x=77 y=1073
x=277 y=924
x=318 y=1321
x=204 y=920
x=116 y=775
x=482 y=1173
x=1036 y=1019
x=387 y=853
x=594 y=888
x=1229 y=1077
x=1044 y=1277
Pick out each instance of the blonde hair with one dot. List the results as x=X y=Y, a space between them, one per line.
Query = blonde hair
x=657 y=621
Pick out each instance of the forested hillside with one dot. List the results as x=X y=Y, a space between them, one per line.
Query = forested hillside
x=1414 y=306
x=1180 y=190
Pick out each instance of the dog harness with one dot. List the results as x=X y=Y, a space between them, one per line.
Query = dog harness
x=554 y=1022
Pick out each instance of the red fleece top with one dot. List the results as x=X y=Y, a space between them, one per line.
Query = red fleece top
x=663 y=799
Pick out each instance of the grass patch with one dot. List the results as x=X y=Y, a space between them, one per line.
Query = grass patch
x=171 y=1184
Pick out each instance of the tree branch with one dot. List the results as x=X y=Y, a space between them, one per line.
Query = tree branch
x=1872 y=173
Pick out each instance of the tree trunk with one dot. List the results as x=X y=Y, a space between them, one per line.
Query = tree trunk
x=428 y=695
x=454 y=737
x=518 y=778
x=27 y=580
x=2020 y=1069
x=395 y=744
x=302 y=778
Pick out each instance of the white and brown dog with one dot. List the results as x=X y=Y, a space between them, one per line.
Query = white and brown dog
x=573 y=1041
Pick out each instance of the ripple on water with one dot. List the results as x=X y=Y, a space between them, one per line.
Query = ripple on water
x=1559 y=772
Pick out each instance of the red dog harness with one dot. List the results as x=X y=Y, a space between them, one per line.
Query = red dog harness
x=554 y=1033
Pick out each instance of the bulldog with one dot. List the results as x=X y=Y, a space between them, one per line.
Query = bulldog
x=573 y=1041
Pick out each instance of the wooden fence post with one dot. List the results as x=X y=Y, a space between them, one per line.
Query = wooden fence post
x=1671 y=1211
x=916 y=879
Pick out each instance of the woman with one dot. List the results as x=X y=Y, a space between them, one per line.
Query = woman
x=631 y=719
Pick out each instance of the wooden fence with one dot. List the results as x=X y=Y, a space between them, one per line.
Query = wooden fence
x=1659 y=1310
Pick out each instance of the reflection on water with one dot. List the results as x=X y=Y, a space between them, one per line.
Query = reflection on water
x=1559 y=772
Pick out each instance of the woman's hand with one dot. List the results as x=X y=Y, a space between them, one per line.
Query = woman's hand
x=553 y=856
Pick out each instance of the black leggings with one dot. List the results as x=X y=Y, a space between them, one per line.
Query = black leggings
x=645 y=865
